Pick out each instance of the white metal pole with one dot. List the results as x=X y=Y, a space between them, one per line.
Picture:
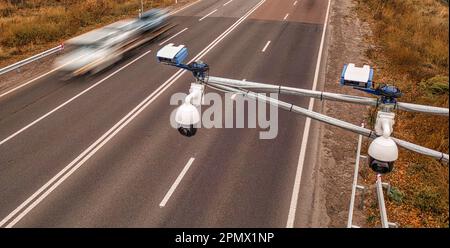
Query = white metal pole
x=325 y=95
x=381 y=204
x=332 y=121
x=355 y=183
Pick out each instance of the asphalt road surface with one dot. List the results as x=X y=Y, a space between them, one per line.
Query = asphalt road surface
x=100 y=151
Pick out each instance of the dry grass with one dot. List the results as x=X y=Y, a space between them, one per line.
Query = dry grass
x=30 y=26
x=411 y=49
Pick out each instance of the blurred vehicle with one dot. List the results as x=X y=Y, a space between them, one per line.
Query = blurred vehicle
x=153 y=18
x=98 y=49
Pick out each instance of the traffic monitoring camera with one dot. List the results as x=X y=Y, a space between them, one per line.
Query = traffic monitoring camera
x=357 y=76
x=172 y=55
x=383 y=151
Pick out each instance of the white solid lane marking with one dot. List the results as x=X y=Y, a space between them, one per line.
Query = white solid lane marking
x=301 y=159
x=225 y=4
x=90 y=151
x=73 y=98
x=286 y=16
x=70 y=100
x=175 y=184
x=57 y=68
x=210 y=13
x=265 y=47
x=38 y=77
x=295 y=3
x=173 y=36
x=83 y=157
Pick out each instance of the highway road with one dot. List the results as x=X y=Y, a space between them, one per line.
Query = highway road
x=100 y=152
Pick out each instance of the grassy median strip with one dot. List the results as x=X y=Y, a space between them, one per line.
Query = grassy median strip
x=410 y=49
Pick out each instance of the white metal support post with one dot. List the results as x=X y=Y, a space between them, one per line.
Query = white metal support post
x=355 y=185
x=381 y=204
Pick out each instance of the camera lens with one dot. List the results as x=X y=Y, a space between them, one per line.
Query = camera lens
x=381 y=167
x=187 y=131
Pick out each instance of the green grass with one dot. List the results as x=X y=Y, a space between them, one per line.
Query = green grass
x=396 y=195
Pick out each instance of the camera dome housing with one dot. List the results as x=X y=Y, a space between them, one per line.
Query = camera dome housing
x=383 y=152
x=187 y=116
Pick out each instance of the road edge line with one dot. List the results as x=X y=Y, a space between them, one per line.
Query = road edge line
x=301 y=160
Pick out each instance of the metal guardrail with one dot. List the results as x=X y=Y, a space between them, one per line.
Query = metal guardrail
x=31 y=59
x=40 y=56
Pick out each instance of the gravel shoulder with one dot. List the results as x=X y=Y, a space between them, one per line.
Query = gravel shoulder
x=337 y=147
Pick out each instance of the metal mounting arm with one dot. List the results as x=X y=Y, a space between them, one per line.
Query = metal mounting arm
x=199 y=70
x=325 y=95
x=329 y=120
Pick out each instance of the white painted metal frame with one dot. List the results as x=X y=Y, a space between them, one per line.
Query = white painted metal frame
x=355 y=185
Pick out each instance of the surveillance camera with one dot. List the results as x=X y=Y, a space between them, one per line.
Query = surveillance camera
x=187 y=131
x=173 y=55
x=187 y=116
x=383 y=152
x=357 y=76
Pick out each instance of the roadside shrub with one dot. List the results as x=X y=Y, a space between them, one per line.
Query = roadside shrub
x=429 y=199
x=6 y=10
x=436 y=86
x=395 y=194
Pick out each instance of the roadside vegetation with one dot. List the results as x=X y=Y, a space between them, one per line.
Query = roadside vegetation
x=28 y=27
x=410 y=49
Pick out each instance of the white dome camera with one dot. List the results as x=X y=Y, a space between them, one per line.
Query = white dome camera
x=383 y=152
x=187 y=116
